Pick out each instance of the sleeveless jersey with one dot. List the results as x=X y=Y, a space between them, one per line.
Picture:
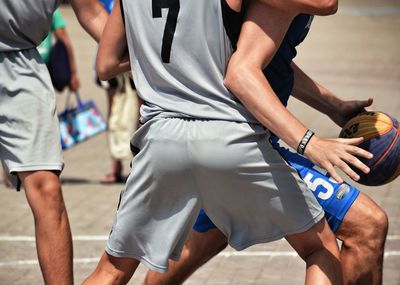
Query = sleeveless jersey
x=279 y=72
x=25 y=23
x=179 y=51
x=107 y=4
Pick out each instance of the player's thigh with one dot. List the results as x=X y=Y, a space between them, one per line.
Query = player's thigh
x=205 y=245
x=316 y=238
x=364 y=217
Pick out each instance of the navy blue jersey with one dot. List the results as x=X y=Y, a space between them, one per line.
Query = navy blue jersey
x=279 y=72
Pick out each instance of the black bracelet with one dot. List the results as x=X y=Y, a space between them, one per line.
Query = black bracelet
x=304 y=141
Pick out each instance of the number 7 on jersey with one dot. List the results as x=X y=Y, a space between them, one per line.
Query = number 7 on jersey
x=170 y=26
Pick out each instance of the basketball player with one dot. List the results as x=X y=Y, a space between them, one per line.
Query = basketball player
x=355 y=219
x=30 y=146
x=199 y=147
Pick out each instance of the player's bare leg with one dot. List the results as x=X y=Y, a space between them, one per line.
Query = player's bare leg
x=319 y=249
x=363 y=232
x=53 y=234
x=199 y=248
x=112 y=271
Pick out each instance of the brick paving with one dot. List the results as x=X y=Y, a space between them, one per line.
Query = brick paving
x=354 y=53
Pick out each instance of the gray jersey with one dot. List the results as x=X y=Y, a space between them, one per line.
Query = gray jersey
x=24 y=23
x=179 y=51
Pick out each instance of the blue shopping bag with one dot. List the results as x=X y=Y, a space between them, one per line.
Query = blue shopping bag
x=80 y=122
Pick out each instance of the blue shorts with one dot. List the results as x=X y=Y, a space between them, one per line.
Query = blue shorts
x=336 y=199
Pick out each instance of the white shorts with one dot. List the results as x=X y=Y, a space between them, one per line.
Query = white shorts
x=230 y=169
x=29 y=129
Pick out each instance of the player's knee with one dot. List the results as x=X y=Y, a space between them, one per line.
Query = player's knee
x=50 y=191
x=106 y=277
x=380 y=224
x=372 y=236
x=377 y=228
x=112 y=271
x=46 y=195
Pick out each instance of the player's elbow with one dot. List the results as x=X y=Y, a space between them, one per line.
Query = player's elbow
x=327 y=7
x=236 y=76
x=104 y=68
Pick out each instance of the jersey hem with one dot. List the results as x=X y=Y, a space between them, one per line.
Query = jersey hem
x=37 y=167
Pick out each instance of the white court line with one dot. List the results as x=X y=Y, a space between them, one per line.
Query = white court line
x=393 y=237
x=35 y=262
x=75 y=238
x=102 y=238
x=369 y=11
x=279 y=253
x=271 y=254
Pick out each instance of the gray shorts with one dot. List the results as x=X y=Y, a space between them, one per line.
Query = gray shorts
x=229 y=169
x=29 y=129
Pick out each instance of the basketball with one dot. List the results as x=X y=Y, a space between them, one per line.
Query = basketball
x=381 y=138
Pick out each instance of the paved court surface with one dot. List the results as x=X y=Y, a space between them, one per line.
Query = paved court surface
x=354 y=53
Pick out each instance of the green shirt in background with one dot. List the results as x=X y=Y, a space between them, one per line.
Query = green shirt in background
x=44 y=48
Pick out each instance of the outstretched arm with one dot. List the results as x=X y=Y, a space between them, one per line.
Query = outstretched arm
x=260 y=36
x=91 y=15
x=317 y=96
x=112 y=54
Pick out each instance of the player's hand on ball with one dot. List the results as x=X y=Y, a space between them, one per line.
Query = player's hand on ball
x=328 y=153
x=349 y=109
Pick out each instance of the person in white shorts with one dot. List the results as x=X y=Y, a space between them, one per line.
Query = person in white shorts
x=199 y=147
x=30 y=148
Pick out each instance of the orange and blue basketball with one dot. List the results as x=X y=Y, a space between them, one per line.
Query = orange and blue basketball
x=381 y=137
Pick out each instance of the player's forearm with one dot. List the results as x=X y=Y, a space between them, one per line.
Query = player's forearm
x=320 y=98
x=261 y=35
x=91 y=15
x=313 y=94
x=251 y=87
